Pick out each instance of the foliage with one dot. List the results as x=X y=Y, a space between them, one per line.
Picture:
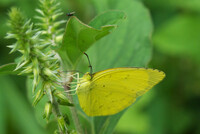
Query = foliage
x=39 y=60
x=172 y=107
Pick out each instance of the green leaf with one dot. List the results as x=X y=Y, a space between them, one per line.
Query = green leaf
x=129 y=45
x=3 y=112
x=77 y=39
x=179 y=36
x=193 y=5
x=19 y=109
x=184 y=5
x=9 y=69
x=102 y=123
x=107 y=18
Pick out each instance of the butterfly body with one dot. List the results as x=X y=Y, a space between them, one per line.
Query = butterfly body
x=110 y=91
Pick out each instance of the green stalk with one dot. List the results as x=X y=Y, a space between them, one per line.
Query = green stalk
x=73 y=109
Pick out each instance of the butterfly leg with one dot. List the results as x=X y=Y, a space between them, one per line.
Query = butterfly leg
x=73 y=76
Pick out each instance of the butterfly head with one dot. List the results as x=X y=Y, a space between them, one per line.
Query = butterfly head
x=86 y=77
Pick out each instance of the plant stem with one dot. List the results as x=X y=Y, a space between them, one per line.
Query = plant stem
x=93 y=129
x=56 y=112
x=73 y=109
x=56 y=109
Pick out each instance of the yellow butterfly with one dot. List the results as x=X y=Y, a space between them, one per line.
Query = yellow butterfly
x=110 y=91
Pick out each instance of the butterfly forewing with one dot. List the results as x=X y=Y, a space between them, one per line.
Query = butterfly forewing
x=113 y=90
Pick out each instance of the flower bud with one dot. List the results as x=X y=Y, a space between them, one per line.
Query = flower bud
x=26 y=71
x=61 y=123
x=62 y=99
x=50 y=74
x=56 y=132
x=65 y=103
x=47 y=110
x=73 y=132
x=38 y=97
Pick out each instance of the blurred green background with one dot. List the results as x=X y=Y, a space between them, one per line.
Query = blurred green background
x=172 y=107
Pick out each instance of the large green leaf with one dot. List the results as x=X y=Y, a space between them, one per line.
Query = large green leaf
x=77 y=39
x=107 y=18
x=105 y=125
x=179 y=36
x=129 y=45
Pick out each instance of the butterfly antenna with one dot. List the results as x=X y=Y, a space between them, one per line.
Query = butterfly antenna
x=90 y=66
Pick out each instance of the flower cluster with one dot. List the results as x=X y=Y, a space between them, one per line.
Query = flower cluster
x=38 y=59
